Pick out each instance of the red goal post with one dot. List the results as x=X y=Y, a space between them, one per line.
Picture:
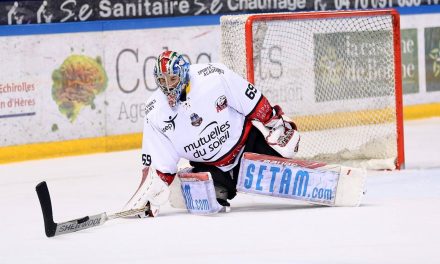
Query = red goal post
x=337 y=74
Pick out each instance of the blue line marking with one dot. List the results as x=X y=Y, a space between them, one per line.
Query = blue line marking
x=17 y=115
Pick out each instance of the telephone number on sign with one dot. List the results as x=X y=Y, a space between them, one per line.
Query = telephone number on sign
x=360 y=4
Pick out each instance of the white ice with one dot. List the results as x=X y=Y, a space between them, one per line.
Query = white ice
x=398 y=222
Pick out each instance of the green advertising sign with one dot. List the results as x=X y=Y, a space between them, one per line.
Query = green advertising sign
x=410 y=65
x=351 y=65
x=432 y=58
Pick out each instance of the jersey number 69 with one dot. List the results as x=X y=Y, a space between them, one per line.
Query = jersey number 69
x=146 y=160
x=250 y=91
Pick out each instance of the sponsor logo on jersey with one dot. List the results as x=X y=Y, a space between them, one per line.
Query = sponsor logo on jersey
x=210 y=142
x=170 y=124
x=196 y=120
x=210 y=69
x=221 y=103
x=149 y=107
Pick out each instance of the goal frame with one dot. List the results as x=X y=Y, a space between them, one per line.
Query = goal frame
x=400 y=160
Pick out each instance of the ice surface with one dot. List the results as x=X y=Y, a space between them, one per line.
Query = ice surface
x=397 y=223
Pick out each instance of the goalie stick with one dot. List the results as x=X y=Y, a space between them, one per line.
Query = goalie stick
x=55 y=229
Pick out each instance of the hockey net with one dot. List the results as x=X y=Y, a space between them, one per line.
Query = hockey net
x=337 y=74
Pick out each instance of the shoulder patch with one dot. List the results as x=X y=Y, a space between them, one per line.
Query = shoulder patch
x=209 y=70
x=150 y=106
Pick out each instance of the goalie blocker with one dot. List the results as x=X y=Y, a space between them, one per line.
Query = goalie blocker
x=313 y=182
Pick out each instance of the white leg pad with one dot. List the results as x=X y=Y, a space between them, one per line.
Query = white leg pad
x=313 y=182
x=351 y=186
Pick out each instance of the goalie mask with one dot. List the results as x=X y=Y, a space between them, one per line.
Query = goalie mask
x=171 y=75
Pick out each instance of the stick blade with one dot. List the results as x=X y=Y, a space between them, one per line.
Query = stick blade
x=50 y=226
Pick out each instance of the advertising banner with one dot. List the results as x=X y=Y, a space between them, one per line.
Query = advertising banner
x=420 y=49
x=369 y=62
x=70 y=86
x=51 y=91
x=59 y=11
x=432 y=58
x=410 y=64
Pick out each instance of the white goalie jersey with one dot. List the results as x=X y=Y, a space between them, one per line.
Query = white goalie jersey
x=207 y=125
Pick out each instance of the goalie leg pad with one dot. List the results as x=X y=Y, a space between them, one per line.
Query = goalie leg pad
x=313 y=182
x=199 y=193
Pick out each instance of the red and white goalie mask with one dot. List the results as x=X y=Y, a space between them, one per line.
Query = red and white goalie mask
x=171 y=75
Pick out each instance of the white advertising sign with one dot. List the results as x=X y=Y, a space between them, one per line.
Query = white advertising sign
x=129 y=61
x=60 y=87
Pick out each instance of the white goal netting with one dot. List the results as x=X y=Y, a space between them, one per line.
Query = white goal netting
x=334 y=75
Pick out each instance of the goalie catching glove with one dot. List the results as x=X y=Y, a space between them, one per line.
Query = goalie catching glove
x=280 y=133
x=151 y=194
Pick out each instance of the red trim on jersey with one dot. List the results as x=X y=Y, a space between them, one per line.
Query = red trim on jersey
x=166 y=177
x=229 y=157
x=262 y=111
